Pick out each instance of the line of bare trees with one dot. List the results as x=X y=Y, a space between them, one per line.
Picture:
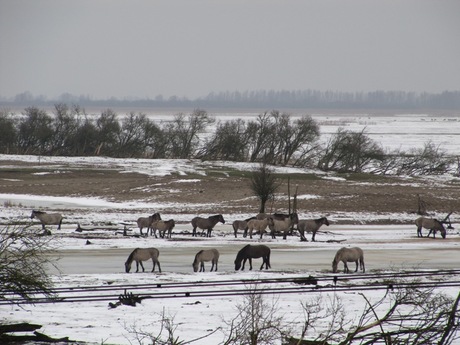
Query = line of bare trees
x=272 y=138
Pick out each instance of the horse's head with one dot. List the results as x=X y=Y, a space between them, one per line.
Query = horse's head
x=221 y=219
x=334 y=266
x=443 y=232
x=32 y=215
x=237 y=264
x=195 y=266
x=127 y=267
x=325 y=221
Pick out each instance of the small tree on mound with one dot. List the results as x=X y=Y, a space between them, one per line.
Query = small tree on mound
x=264 y=185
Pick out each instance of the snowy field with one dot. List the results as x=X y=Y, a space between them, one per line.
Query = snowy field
x=388 y=249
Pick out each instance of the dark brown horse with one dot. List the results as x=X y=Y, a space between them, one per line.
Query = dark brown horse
x=206 y=223
x=250 y=252
x=310 y=225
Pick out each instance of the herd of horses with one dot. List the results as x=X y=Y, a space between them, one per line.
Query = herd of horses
x=276 y=223
x=245 y=254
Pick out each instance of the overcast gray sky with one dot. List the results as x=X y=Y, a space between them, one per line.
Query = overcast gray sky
x=143 y=48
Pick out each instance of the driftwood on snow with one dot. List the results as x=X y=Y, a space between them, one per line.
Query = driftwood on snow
x=27 y=327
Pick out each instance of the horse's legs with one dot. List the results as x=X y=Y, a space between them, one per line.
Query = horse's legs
x=250 y=263
x=361 y=260
x=244 y=262
x=153 y=268
x=59 y=225
x=194 y=231
x=209 y=232
x=356 y=262
x=245 y=233
x=419 y=231
x=302 y=236
x=313 y=236
x=345 y=267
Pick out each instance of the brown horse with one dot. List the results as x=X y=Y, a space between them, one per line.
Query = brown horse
x=47 y=218
x=310 y=225
x=162 y=226
x=143 y=254
x=250 y=252
x=283 y=226
x=241 y=225
x=432 y=224
x=206 y=255
x=146 y=222
x=348 y=255
x=206 y=223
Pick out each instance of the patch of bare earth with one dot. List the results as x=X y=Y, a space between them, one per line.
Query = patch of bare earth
x=230 y=193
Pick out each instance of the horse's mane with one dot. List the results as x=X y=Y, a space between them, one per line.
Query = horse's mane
x=38 y=212
x=131 y=256
x=242 y=250
x=215 y=216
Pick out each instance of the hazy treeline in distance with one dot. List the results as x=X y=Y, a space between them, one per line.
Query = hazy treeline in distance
x=266 y=99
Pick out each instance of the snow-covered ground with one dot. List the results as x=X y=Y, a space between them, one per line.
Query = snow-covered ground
x=388 y=248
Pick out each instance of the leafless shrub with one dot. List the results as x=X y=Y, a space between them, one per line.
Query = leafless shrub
x=258 y=321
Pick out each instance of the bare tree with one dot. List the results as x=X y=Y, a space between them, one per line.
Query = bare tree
x=229 y=142
x=264 y=185
x=405 y=315
x=349 y=151
x=257 y=321
x=183 y=135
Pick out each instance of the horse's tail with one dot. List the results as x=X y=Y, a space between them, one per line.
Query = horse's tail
x=268 y=259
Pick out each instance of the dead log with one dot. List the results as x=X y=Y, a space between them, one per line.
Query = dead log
x=19 y=327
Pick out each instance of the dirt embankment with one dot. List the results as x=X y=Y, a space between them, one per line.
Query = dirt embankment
x=230 y=193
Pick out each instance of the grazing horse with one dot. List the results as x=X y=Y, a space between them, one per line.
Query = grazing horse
x=349 y=255
x=253 y=252
x=282 y=225
x=146 y=222
x=162 y=226
x=205 y=255
x=143 y=254
x=310 y=225
x=430 y=223
x=259 y=225
x=47 y=218
x=241 y=225
x=206 y=223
